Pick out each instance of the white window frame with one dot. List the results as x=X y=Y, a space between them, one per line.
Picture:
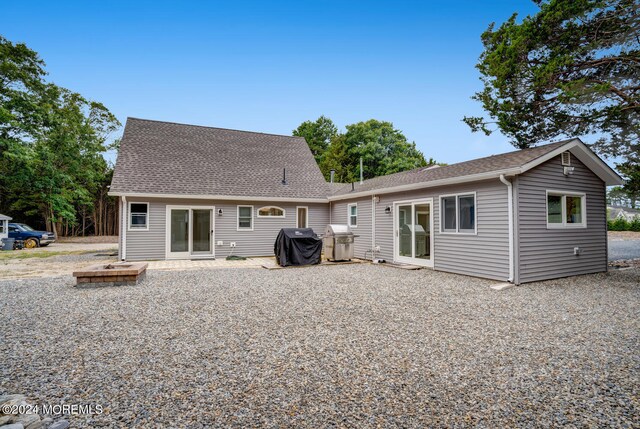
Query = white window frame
x=2 y=224
x=238 y=228
x=458 y=231
x=137 y=228
x=306 y=210
x=563 y=209
x=284 y=212
x=349 y=215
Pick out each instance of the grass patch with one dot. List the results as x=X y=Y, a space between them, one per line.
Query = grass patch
x=27 y=254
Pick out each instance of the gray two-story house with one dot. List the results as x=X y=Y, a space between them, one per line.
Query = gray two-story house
x=189 y=192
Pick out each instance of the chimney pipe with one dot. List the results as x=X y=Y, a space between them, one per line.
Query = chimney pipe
x=284 y=176
x=361 y=172
x=333 y=173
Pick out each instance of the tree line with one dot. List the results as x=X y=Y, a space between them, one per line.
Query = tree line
x=383 y=149
x=52 y=140
x=572 y=69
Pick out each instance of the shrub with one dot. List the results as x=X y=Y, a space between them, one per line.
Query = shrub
x=619 y=224
x=634 y=225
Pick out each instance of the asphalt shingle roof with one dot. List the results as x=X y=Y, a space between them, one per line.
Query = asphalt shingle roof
x=476 y=166
x=168 y=158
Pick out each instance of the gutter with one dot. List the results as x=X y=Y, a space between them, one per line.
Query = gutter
x=217 y=197
x=511 y=235
x=123 y=228
x=431 y=184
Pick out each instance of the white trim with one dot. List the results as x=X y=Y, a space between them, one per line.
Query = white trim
x=396 y=233
x=123 y=228
x=458 y=231
x=284 y=213
x=306 y=221
x=189 y=254
x=218 y=197
x=238 y=218
x=349 y=215
x=563 y=209
x=511 y=228
x=129 y=213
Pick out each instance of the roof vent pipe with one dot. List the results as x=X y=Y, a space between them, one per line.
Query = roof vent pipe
x=361 y=172
x=353 y=186
x=284 y=176
x=333 y=174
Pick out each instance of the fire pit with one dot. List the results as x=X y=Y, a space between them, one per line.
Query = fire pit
x=117 y=274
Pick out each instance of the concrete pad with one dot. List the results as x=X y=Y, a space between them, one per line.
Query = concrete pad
x=502 y=286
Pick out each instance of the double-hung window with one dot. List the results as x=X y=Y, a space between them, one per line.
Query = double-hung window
x=458 y=213
x=245 y=218
x=139 y=216
x=566 y=209
x=352 y=212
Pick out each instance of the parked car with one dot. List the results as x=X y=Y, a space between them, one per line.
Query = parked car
x=30 y=236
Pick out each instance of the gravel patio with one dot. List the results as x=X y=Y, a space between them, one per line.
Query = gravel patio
x=338 y=346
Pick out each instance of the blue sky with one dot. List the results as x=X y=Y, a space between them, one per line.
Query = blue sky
x=269 y=65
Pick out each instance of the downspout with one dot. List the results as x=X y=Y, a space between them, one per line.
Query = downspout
x=373 y=227
x=123 y=229
x=510 y=211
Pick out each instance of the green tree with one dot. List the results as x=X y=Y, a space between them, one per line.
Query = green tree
x=318 y=134
x=571 y=69
x=630 y=170
x=51 y=142
x=384 y=149
x=617 y=196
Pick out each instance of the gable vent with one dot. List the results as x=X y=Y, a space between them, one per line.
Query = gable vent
x=566 y=158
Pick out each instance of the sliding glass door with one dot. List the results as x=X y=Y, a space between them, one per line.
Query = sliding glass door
x=189 y=232
x=413 y=232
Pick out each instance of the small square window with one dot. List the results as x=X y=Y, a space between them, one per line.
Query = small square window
x=565 y=210
x=458 y=213
x=138 y=216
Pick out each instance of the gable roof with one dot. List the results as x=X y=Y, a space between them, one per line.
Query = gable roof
x=509 y=164
x=169 y=159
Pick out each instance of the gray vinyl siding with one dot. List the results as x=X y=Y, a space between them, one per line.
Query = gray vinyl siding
x=485 y=254
x=151 y=244
x=548 y=253
x=339 y=215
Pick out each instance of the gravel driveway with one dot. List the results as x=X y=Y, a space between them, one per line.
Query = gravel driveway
x=339 y=346
x=624 y=246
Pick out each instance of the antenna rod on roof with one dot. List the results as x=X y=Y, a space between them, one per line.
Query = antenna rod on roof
x=361 y=172
x=284 y=176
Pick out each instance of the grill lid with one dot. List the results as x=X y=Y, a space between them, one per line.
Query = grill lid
x=336 y=229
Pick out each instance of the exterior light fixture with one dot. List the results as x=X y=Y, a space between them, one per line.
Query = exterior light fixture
x=387 y=210
x=568 y=171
